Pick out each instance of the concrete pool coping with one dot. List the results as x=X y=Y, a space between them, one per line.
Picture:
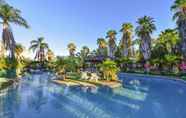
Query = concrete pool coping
x=91 y=84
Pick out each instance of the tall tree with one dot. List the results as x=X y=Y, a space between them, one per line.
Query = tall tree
x=72 y=48
x=144 y=30
x=39 y=46
x=83 y=55
x=109 y=70
x=85 y=51
x=170 y=38
x=2 y=50
x=102 y=46
x=126 y=41
x=18 y=51
x=111 y=35
x=50 y=55
x=9 y=14
x=179 y=9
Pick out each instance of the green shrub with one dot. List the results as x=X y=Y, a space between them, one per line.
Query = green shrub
x=73 y=75
x=69 y=64
x=183 y=77
x=109 y=69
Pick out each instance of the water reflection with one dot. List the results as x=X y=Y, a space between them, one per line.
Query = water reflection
x=132 y=94
x=9 y=102
x=79 y=106
x=36 y=100
x=37 y=97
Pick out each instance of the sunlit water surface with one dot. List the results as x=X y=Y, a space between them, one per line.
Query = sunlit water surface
x=140 y=97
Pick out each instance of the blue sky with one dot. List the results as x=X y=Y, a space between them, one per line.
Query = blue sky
x=83 y=21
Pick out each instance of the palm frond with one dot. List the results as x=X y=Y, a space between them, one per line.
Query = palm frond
x=33 y=47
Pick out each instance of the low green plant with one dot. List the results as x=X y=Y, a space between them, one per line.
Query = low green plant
x=109 y=70
x=68 y=64
x=73 y=75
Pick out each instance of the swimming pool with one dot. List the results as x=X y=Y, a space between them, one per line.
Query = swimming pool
x=140 y=97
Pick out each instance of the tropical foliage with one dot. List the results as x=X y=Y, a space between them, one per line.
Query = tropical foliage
x=144 y=30
x=19 y=49
x=111 y=35
x=85 y=51
x=102 y=47
x=179 y=9
x=166 y=52
x=170 y=39
x=39 y=46
x=50 y=55
x=126 y=41
x=67 y=64
x=72 y=48
x=109 y=69
x=165 y=48
x=9 y=14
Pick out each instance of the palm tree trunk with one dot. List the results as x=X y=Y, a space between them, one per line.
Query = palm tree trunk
x=124 y=46
x=72 y=53
x=112 y=50
x=8 y=40
x=41 y=55
x=102 y=51
x=125 y=52
x=146 y=51
x=37 y=56
x=182 y=31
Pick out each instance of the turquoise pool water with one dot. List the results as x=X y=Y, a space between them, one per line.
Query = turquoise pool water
x=140 y=97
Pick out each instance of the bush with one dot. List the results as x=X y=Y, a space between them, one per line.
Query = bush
x=183 y=77
x=73 y=75
x=109 y=70
x=125 y=63
x=68 y=64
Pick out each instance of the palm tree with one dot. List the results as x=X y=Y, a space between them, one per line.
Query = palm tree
x=18 y=51
x=179 y=9
x=111 y=35
x=102 y=46
x=39 y=46
x=3 y=64
x=159 y=51
x=170 y=38
x=126 y=41
x=93 y=53
x=50 y=55
x=135 y=48
x=85 y=51
x=144 y=30
x=8 y=14
x=83 y=55
x=109 y=69
x=72 y=49
x=2 y=50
